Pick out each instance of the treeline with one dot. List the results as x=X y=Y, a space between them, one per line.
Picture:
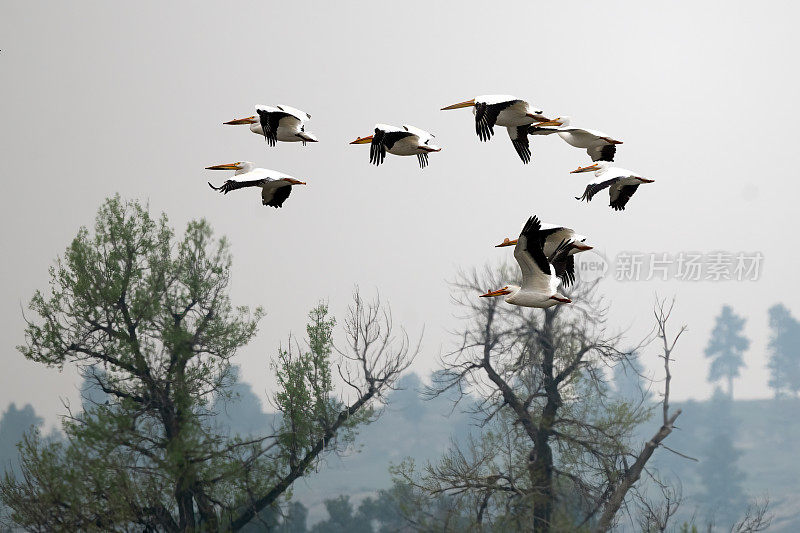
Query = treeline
x=534 y=435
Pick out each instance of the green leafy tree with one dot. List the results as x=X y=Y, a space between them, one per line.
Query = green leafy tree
x=726 y=348
x=152 y=311
x=784 y=352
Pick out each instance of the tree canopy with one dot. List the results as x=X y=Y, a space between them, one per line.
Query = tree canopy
x=145 y=315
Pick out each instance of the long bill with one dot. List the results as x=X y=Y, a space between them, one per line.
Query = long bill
x=468 y=103
x=240 y=121
x=586 y=169
x=498 y=292
x=363 y=140
x=507 y=242
x=227 y=166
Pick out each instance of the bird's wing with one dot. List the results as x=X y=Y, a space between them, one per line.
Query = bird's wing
x=422 y=134
x=232 y=185
x=486 y=116
x=300 y=115
x=563 y=263
x=377 y=150
x=423 y=159
x=383 y=140
x=594 y=188
x=270 y=121
x=290 y=121
x=550 y=236
x=275 y=195
x=530 y=256
x=620 y=196
x=602 y=152
x=519 y=138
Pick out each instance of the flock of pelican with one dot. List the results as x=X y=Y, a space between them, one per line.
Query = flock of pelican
x=544 y=252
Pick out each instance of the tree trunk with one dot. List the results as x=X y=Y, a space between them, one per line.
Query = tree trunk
x=541 y=466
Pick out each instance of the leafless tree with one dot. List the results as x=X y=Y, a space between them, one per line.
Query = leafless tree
x=552 y=430
x=631 y=474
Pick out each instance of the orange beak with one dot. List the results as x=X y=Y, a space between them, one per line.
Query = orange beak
x=645 y=180
x=506 y=242
x=562 y=300
x=468 y=103
x=239 y=121
x=548 y=123
x=582 y=247
x=363 y=140
x=296 y=182
x=498 y=292
x=586 y=169
x=227 y=166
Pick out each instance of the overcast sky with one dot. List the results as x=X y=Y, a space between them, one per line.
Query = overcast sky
x=96 y=99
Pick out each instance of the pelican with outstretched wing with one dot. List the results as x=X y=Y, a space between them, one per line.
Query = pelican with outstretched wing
x=406 y=140
x=541 y=275
x=275 y=186
x=278 y=123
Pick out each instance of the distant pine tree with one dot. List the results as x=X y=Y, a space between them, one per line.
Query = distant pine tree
x=723 y=497
x=784 y=352
x=13 y=425
x=726 y=347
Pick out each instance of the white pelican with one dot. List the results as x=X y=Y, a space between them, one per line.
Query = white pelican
x=503 y=110
x=551 y=236
x=540 y=274
x=279 y=123
x=275 y=186
x=407 y=140
x=621 y=183
x=599 y=146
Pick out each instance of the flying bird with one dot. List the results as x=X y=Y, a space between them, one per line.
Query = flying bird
x=550 y=237
x=278 y=123
x=406 y=140
x=275 y=186
x=541 y=275
x=504 y=110
x=599 y=146
x=621 y=183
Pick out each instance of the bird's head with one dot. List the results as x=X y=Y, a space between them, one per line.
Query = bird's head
x=579 y=244
x=363 y=140
x=239 y=166
x=556 y=122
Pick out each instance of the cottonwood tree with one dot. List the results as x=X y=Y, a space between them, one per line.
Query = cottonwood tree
x=146 y=316
x=555 y=451
x=726 y=347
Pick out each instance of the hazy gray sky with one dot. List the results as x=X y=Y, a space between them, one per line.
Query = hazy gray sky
x=98 y=99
